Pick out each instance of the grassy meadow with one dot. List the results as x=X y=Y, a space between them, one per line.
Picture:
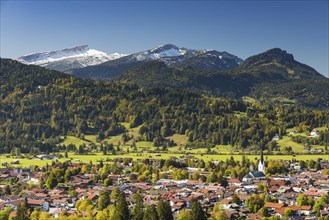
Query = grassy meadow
x=144 y=148
x=95 y=158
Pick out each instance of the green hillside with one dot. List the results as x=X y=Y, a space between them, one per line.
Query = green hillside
x=38 y=107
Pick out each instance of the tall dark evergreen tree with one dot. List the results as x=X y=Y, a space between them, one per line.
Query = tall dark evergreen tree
x=23 y=212
x=150 y=213
x=197 y=211
x=164 y=210
x=104 y=199
x=121 y=208
x=138 y=210
x=51 y=181
x=7 y=190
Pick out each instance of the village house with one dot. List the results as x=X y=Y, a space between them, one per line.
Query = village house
x=276 y=138
x=44 y=205
x=180 y=193
x=292 y=132
x=315 y=133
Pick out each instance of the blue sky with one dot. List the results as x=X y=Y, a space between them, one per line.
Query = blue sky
x=243 y=28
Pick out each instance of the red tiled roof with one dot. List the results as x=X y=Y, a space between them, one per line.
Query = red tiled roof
x=306 y=207
x=314 y=193
x=273 y=205
x=280 y=211
x=234 y=180
x=35 y=201
x=92 y=196
x=41 y=195
x=294 y=207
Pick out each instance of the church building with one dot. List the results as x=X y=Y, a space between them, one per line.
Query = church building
x=257 y=175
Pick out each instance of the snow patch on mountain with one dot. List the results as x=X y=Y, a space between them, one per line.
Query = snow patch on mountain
x=167 y=53
x=172 y=55
x=80 y=56
x=172 y=52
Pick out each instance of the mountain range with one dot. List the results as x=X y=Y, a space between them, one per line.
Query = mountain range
x=90 y=63
x=273 y=75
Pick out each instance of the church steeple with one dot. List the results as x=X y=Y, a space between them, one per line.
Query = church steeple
x=261 y=155
x=261 y=164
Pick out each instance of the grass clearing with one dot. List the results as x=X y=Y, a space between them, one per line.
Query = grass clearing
x=73 y=140
x=134 y=131
x=240 y=114
x=125 y=124
x=144 y=145
x=113 y=139
x=98 y=156
x=179 y=139
x=248 y=99
x=296 y=147
x=223 y=148
x=322 y=129
x=91 y=138
x=287 y=142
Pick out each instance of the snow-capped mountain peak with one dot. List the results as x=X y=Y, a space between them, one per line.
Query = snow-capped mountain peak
x=44 y=57
x=173 y=55
x=69 y=58
x=167 y=50
x=162 y=52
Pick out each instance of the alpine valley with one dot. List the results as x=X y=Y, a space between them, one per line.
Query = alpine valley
x=164 y=124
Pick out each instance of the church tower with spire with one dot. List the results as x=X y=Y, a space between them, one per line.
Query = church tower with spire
x=261 y=165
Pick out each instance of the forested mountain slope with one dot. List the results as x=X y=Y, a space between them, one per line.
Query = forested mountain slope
x=38 y=105
x=270 y=77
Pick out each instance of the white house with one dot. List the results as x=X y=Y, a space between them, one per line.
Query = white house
x=292 y=132
x=315 y=133
x=44 y=205
x=306 y=210
x=276 y=138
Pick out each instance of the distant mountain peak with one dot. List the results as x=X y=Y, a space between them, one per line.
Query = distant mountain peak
x=35 y=57
x=77 y=48
x=164 y=47
x=272 y=55
x=68 y=58
x=171 y=55
x=174 y=55
x=280 y=62
x=277 y=52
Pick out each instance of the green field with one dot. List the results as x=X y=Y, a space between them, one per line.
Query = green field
x=287 y=142
x=99 y=156
x=296 y=147
x=73 y=140
x=144 y=147
x=179 y=139
x=91 y=138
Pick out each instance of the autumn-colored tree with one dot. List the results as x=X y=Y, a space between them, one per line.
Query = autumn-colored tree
x=254 y=203
x=184 y=214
